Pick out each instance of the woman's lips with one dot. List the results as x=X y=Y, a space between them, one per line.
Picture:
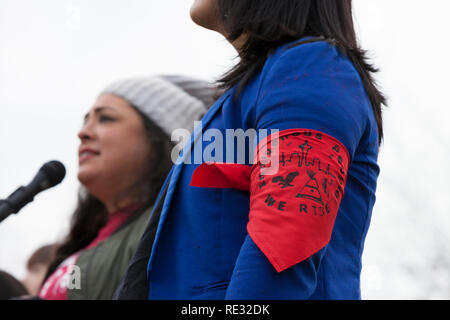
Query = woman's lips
x=86 y=154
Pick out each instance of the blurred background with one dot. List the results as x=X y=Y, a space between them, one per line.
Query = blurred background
x=56 y=55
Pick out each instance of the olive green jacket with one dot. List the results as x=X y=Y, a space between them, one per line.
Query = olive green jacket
x=100 y=269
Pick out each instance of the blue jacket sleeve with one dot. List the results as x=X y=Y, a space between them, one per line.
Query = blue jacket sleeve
x=254 y=278
x=311 y=86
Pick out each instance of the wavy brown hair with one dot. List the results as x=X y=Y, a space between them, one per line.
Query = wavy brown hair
x=269 y=24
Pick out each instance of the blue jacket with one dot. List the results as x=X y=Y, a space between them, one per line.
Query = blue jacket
x=202 y=249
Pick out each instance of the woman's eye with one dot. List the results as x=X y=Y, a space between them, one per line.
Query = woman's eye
x=105 y=118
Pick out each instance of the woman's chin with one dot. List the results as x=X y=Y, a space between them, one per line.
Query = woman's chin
x=86 y=177
x=195 y=18
x=203 y=13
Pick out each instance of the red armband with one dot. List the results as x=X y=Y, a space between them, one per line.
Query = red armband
x=296 y=186
x=222 y=175
x=292 y=212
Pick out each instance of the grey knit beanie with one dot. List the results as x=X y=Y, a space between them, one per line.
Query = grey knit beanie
x=170 y=101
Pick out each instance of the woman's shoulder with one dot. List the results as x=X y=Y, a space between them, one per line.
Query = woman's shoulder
x=317 y=87
x=311 y=55
x=134 y=227
x=138 y=225
x=292 y=61
x=314 y=65
x=306 y=45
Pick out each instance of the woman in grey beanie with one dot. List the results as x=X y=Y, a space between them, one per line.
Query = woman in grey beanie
x=124 y=157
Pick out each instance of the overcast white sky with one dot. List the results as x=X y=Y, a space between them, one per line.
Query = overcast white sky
x=56 y=55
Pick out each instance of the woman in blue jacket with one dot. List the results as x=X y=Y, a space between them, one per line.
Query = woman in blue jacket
x=290 y=221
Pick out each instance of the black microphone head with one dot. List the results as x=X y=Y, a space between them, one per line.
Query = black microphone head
x=49 y=175
x=54 y=171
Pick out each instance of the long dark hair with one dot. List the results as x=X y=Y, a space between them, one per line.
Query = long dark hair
x=91 y=214
x=269 y=24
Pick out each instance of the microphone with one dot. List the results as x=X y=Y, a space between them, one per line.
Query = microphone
x=48 y=176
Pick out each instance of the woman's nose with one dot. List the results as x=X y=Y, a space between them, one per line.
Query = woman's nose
x=86 y=132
